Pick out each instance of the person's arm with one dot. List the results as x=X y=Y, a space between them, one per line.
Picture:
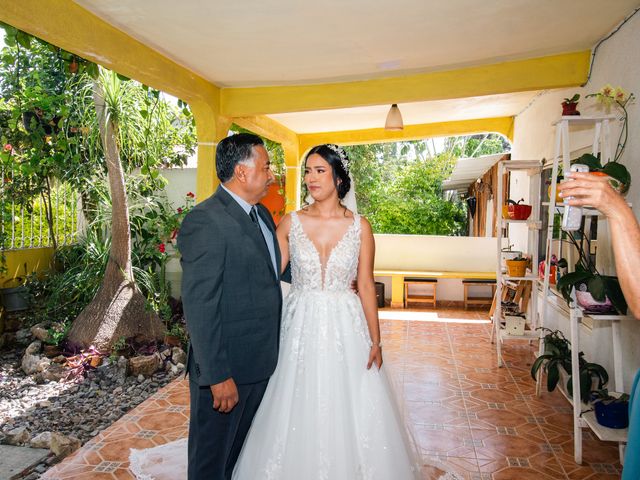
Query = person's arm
x=282 y=233
x=595 y=191
x=203 y=251
x=367 y=291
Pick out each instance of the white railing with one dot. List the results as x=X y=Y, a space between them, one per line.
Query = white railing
x=25 y=226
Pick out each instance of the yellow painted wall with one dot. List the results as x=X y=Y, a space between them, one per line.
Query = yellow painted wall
x=24 y=262
x=555 y=71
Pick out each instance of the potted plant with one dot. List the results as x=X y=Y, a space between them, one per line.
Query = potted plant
x=517 y=267
x=14 y=295
x=612 y=410
x=556 y=357
x=569 y=105
x=619 y=176
x=595 y=293
x=556 y=361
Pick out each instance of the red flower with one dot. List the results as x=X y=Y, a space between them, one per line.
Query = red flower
x=8 y=147
x=191 y=195
x=161 y=247
x=179 y=210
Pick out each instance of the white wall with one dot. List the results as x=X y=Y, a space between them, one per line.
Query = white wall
x=181 y=182
x=617 y=62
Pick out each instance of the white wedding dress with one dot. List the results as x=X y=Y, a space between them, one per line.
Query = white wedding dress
x=324 y=416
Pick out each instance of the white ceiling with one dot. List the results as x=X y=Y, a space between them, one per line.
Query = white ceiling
x=358 y=118
x=278 y=42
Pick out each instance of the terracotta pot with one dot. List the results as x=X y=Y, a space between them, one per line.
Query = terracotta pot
x=569 y=109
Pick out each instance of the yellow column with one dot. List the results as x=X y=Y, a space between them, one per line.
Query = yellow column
x=397 y=291
x=211 y=128
x=292 y=187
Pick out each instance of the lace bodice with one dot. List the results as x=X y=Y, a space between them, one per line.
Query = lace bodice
x=307 y=269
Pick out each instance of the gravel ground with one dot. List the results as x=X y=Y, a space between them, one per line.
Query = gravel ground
x=78 y=409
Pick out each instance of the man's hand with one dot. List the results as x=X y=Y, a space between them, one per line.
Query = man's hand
x=375 y=356
x=225 y=395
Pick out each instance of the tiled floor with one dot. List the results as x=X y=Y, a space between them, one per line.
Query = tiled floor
x=468 y=416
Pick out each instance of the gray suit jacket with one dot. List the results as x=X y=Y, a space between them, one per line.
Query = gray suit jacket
x=231 y=295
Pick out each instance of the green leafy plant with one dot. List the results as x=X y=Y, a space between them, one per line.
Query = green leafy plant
x=119 y=346
x=557 y=355
x=574 y=99
x=621 y=178
x=603 y=395
x=57 y=332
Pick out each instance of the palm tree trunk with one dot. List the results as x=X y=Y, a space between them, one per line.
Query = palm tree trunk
x=118 y=309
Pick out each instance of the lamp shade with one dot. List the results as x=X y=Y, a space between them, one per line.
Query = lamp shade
x=394 y=119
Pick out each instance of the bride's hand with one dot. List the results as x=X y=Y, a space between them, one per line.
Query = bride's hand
x=375 y=356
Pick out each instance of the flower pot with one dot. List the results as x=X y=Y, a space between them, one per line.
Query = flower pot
x=612 y=415
x=553 y=272
x=586 y=301
x=519 y=211
x=617 y=185
x=558 y=197
x=14 y=299
x=516 y=268
x=569 y=109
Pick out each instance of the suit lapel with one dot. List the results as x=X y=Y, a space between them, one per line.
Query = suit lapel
x=247 y=225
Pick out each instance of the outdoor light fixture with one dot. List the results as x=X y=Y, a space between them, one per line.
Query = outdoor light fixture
x=394 y=119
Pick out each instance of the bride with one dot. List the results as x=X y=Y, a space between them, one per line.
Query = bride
x=328 y=412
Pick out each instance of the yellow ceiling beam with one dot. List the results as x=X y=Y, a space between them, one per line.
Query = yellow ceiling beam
x=502 y=125
x=67 y=25
x=269 y=128
x=556 y=71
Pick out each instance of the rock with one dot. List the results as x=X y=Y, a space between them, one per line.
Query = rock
x=54 y=372
x=17 y=436
x=40 y=332
x=32 y=362
x=42 y=440
x=178 y=355
x=23 y=336
x=144 y=365
x=122 y=370
x=62 y=446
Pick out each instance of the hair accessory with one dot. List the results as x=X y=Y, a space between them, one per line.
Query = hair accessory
x=342 y=154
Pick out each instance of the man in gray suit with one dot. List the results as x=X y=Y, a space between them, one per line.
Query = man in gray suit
x=232 y=302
